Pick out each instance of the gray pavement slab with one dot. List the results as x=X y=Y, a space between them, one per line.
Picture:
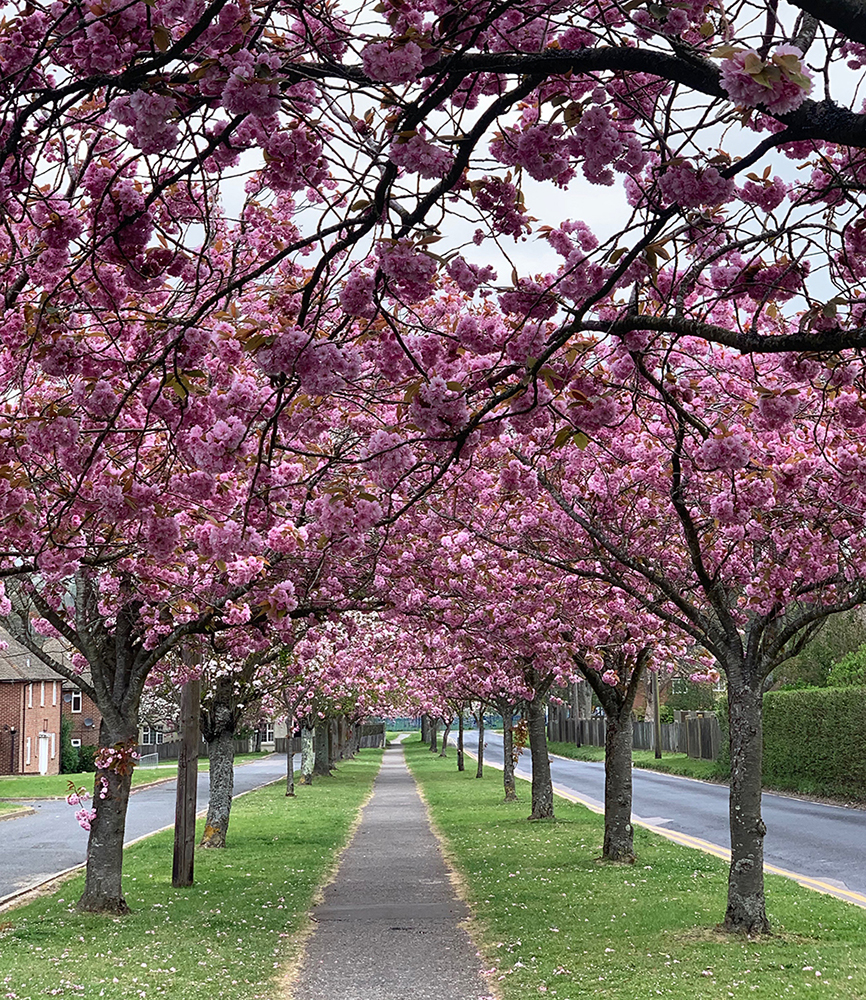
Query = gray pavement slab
x=389 y=926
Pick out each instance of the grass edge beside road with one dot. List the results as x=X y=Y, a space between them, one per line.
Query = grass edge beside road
x=54 y=786
x=550 y=918
x=237 y=932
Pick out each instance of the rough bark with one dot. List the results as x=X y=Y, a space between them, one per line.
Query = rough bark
x=461 y=761
x=479 y=770
x=322 y=760
x=434 y=735
x=445 y=733
x=290 y=760
x=746 y=911
x=542 y=785
x=221 y=754
x=508 y=782
x=425 y=728
x=308 y=754
x=103 y=890
x=618 y=829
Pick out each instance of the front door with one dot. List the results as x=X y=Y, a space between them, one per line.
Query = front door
x=43 y=753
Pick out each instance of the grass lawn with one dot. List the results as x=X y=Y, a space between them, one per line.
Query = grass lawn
x=227 y=936
x=7 y=807
x=670 y=763
x=53 y=786
x=552 y=919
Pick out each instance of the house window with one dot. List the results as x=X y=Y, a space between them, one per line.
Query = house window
x=54 y=692
x=76 y=701
x=30 y=696
x=53 y=746
x=75 y=743
x=268 y=735
x=151 y=736
x=42 y=696
x=27 y=751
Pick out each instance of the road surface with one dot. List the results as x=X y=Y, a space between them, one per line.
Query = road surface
x=50 y=841
x=826 y=844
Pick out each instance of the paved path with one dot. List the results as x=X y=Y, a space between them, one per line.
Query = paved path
x=388 y=928
x=827 y=844
x=50 y=841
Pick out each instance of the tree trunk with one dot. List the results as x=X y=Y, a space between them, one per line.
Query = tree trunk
x=584 y=700
x=445 y=733
x=290 y=760
x=461 y=763
x=747 y=910
x=618 y=831
x=479 y=771
x=542 y=786
x=508 y=755
x=308 y=754
x=434 y=734
x=221 y=753
x=321 y=762
x=425 y=728
x=103 y=888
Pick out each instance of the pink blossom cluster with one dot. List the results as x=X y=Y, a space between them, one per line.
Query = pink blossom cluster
x=469 y=277
x=767 y=194
x=780 y=84
x=438 y=410
x=294 y=159
x=530 y=299
x=682 y=184
x=725 y=451
x=253 y=84
x=418 y=155
x=538 y=148
x=392 y=63
x=151 y=119
x=388 y=456
x=604 y=147
x=356 y=295
x=410 y=271
x=498 y=200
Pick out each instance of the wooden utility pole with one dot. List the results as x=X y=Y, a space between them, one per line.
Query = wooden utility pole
x=658 y=714
x=187 y=779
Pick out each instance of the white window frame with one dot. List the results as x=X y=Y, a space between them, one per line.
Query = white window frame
x=27 y=752
x=42 y=696
x=30 y=695
x=268 y=735
x=75 y=743
x=77 y=696
x=54 y=692
x=53 y=746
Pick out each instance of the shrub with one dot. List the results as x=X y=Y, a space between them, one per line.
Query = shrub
x=850 y=671
x=815 y=741
x=87 y=758
x=69 y=762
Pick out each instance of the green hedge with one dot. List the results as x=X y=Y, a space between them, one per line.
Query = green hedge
x=815 y=741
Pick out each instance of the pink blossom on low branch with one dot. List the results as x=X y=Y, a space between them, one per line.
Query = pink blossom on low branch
x=419 y=156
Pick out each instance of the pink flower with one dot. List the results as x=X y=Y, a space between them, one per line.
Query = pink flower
x=692 y=188
x=400 y=64
x=780 y=84
x=610 y=677
x=419 y=156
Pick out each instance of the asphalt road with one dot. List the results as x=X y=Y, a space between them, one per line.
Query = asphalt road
x=823 y=843
x=50 y=841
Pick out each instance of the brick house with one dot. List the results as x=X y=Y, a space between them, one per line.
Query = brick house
x=32 y=698
x=86 y=717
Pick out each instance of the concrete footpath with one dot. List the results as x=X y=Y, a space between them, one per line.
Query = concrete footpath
x=389 y=925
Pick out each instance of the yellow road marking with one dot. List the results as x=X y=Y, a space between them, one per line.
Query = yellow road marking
x=687 y=840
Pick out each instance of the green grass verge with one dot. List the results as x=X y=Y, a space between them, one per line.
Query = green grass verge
x=671 y=763
x=53 y=786
x=227 y=936
x=7 y=807
x=552 y=919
